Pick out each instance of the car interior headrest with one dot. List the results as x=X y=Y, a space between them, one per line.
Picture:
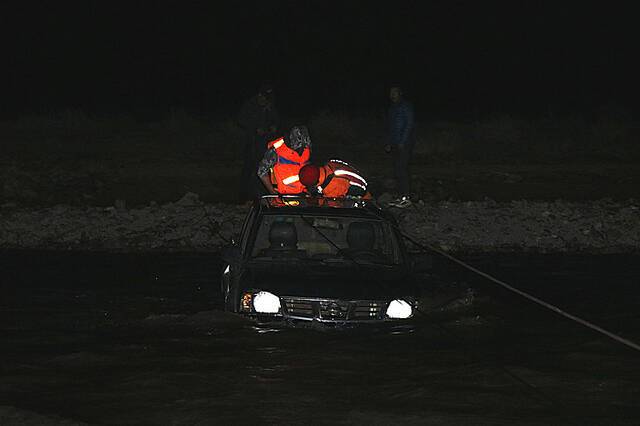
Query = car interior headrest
x=283 y=235
x=361 y=236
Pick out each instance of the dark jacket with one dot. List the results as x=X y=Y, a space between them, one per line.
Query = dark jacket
x=401 y=122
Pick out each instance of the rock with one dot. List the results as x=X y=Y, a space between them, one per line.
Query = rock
x=468 y=226
x=189 y=199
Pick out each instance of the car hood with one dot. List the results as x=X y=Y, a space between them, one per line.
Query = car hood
x=334 y=282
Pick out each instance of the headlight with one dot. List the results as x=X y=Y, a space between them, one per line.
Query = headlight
x=399 y=309
x=266 y=303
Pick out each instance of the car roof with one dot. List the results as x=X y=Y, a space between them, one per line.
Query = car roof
x=294 y=204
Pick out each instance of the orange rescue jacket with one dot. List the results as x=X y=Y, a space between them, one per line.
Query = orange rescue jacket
x=285 y=171
x=338 y=178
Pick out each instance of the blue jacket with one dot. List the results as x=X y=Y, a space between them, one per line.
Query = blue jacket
x=401 y=122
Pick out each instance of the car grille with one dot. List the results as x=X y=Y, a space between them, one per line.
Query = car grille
x=300 y=308
x=333 y=310
x=368 y=310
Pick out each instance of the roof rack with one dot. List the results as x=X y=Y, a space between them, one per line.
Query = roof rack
x=278 y=200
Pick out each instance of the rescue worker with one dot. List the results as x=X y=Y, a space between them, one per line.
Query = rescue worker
x=335 y=179
x=278 y=170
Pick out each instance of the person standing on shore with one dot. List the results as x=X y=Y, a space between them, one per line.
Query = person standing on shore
x=259 y=119
x=400 y=143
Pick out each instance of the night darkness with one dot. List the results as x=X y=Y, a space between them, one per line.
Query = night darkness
x=470 y=255
x=454 y=57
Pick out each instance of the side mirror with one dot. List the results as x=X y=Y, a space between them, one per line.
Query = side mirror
x=421 y=262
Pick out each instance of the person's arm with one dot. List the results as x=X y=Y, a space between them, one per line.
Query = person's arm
x=264 y=169
x=266 y=180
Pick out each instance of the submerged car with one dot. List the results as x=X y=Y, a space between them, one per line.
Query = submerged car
x=319 y=259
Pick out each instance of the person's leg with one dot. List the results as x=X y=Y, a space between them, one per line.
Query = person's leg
x=407 y=154
x=396 y=167
x=401 y=173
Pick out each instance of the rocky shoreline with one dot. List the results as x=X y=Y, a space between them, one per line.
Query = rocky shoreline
x=601 y=226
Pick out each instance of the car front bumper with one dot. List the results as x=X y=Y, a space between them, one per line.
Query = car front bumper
x=330 y=310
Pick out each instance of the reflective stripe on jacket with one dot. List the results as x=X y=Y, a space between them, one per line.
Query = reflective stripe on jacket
x=339 y=179
x=288 y=164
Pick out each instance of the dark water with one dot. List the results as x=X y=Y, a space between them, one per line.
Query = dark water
x=140 y=339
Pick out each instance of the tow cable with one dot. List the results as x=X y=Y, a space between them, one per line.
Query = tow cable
x=429 y=248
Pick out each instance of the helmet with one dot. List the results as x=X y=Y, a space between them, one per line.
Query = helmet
x=298 y=137
x=309 y=175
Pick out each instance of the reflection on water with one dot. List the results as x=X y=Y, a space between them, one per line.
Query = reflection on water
x=121 y=339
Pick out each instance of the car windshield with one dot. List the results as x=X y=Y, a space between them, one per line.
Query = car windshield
x=326 y=238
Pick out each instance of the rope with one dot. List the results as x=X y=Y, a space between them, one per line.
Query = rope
x=528 y=296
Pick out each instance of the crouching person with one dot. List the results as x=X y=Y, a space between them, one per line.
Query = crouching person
x=279 y=168
x=335 y=179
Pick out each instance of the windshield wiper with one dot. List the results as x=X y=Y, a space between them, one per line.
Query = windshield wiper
x=330 y=241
